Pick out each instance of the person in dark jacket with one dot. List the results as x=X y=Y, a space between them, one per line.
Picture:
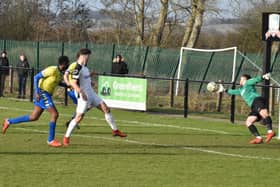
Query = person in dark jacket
x=119 y=66
x=4 y=71
x=22 y=70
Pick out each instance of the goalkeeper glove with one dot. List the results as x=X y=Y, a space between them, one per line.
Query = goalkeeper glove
x=266 y=76
x=221 y=89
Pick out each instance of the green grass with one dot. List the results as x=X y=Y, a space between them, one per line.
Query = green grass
x=159 y=151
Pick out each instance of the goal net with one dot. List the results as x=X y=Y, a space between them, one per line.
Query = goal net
x=227 y=65
x=213 y=65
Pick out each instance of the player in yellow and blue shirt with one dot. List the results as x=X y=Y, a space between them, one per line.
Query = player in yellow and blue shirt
x=45 y=83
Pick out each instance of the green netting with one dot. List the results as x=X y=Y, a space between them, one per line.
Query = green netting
x=49 y=53
x=245 y=66
x=71 y=49
x=14 y=48
x=154 y=62
x=134 y=57
x=214 y=66
x=162 y=62
x=101 y=58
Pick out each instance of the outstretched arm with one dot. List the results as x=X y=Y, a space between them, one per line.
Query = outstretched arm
x=233 y=91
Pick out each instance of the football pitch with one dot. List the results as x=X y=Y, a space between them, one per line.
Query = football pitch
x=159 y=150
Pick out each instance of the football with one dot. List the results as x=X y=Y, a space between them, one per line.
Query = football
x=212 y=87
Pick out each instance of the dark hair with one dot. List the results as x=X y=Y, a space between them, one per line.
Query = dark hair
x=83 y=51
x=247 y=76
x=4 y=52
x=25 y=58
x=120 y=56
x=63 y=60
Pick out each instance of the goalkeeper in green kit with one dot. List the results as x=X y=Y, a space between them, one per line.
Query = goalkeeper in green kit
x=256 y=102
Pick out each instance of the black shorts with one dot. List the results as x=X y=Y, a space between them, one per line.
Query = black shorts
x=259 y=103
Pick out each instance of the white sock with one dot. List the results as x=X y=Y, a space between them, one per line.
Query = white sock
x=110 y=120
x=70 y=128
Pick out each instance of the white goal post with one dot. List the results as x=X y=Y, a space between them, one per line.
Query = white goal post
x=234 y=49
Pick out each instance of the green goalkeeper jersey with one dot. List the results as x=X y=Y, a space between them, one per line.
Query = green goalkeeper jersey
x=247 y=91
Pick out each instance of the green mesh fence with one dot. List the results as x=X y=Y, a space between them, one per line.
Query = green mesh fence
x=214 y=66
x=101 y=58
x=141 y=60
x=162 y=62
x=134 y=56
x=14 y=48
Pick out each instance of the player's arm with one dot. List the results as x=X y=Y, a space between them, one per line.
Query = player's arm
x=254 y=80
x=66 y=78
x=233 y=91
x=74 y=84
x=37 y=77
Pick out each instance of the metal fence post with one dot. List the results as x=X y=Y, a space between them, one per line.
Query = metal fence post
x=186 y=102
x=62 y=48
x=5 y=45
x=113 y=55
x=145 y=60
x=32 y=74
x=11 y=73
x=171 y=83
x=38 y=57
x=232 y=105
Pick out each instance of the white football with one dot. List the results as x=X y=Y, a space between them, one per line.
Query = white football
x=212 y=87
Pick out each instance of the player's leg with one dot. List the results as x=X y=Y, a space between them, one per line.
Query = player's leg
x=110 y=119
x=52 y=125
x=36 y=113
x=73 y=97
x=253 y=129
x=47 y=103
x=80 y=111
x=268 y=123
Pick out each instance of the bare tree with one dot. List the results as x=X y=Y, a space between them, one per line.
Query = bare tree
x=139 y=10
x=194 y=23
x=159 y=28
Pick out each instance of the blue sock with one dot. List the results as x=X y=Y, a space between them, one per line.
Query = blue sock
x=51 y=131
x=18 y=119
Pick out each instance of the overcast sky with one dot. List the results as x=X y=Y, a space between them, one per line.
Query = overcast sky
x=224 y=5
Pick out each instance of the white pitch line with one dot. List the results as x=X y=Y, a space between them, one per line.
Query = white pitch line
x=163 y=145
x=139 y=123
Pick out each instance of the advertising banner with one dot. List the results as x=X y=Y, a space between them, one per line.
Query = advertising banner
x=123 y=92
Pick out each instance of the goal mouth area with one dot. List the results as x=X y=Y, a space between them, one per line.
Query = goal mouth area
x=203 y=64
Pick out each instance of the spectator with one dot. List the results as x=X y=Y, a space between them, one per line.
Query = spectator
x=119 y=66
x=22 y=70
x=4 y=71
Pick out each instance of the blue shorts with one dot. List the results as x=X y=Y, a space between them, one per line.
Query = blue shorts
x=45 y=101
x=71 y=94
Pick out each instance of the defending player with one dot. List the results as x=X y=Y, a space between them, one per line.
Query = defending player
x=257 y=104
x=80 y=80
x=45 y=83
